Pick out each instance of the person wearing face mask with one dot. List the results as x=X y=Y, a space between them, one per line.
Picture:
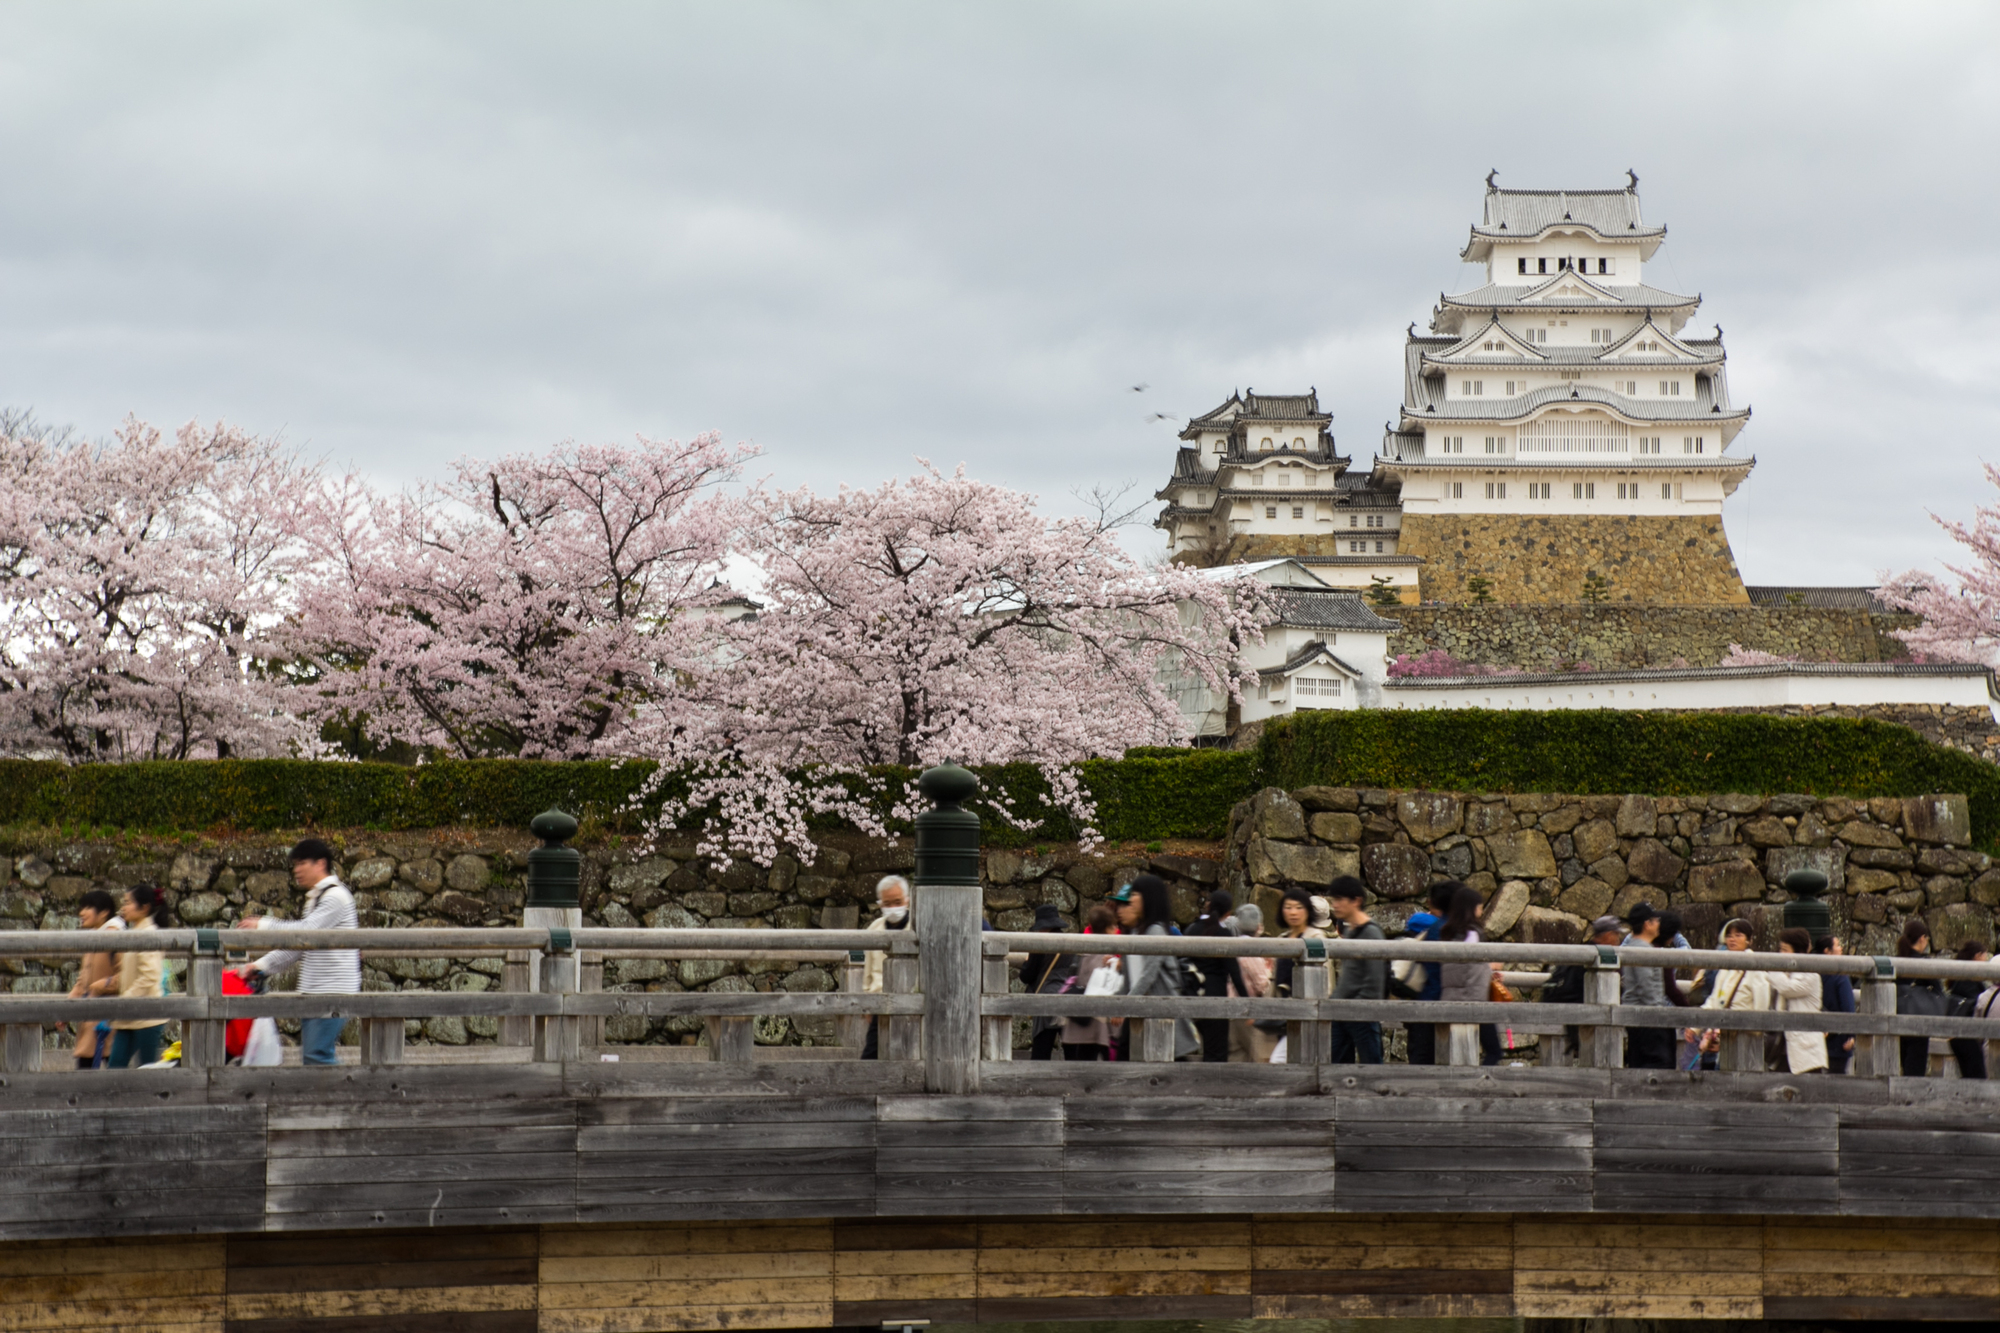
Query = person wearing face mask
x=892 y=895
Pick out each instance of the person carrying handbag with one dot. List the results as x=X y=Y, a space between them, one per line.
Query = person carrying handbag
x=1144 y=908
x=1098 y=974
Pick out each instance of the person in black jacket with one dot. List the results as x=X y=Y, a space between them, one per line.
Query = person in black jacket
x=1045 y=974
x=1923 y=996
x=1836 y=996
x=1214 y=976
x=1566 y=983
x=1970 y=1052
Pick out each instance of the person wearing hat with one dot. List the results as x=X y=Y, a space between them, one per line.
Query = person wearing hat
x=1048 y=974
x=1566 y=983
x=1646 y=987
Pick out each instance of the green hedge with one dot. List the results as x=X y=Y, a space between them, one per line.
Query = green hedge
x=1603 y=752
x=1150 y=794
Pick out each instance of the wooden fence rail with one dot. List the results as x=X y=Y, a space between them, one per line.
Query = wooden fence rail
x=959 y=1016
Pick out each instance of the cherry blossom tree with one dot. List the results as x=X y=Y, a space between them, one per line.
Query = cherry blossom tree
x=932 y=619
x=1962 y=623
x=524 y=607
x=1739 y=656
x=142 y=582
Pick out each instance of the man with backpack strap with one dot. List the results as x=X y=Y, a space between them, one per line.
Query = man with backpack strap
x=329 y=906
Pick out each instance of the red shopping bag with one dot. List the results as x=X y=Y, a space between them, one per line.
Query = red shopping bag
x=237 y=1031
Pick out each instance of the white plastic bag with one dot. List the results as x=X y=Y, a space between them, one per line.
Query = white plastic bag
x=1106 y=980
x=1278 y=1052
x=262 y=1046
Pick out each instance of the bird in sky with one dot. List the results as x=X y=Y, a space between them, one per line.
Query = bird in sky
x=1141 y=388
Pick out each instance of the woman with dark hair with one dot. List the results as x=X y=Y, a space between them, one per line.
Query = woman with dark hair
x=1466 y=982
x=1215 y=977
x=1798 y=993
x=1836 y=996
x=1145 y=909
x=140 y=976
x=1921 y=996
x=1090 y=1038
x=1970 y=1052
x=1295 y=913
x=97 y=974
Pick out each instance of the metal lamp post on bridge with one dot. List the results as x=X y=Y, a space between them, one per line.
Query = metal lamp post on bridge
x=555 y=904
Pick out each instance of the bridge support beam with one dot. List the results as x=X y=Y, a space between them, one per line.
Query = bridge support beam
x=202 y=1039
x=1877 y=1056
x=1601 y=1047
x=948 y=962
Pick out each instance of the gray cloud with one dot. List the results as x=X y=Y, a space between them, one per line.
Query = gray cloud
x=861 y=233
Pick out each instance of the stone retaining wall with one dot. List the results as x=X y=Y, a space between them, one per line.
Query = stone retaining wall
x=1612 y=637
x=1652 y=560
x=1547 y=864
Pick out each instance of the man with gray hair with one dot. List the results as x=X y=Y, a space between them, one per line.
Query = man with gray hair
x=892 y=896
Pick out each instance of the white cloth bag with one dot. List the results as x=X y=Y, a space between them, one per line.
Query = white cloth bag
x=262 y=1047
x=1106 y=980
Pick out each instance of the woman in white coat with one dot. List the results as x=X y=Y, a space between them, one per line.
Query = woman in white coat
x=1735 y=988
x=1798 y=993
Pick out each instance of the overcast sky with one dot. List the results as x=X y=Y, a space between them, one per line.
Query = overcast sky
x=855 y=234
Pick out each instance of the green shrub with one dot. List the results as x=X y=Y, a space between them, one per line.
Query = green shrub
x=1148 y=796
x=1602 y=752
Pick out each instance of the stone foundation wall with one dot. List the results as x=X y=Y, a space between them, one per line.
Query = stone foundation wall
x=1613 y=636
x=1547 y=864
x=1655 y=561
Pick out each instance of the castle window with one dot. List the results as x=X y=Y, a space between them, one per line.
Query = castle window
x=1494 y=445
x=1270 y=511
x=1263 y=689
x=1649 y=444
x=1325 y=689
x=1510 y=388
x=1378 y=548
x=1256 y=479
x=1693 y=444
x=1285 y=479
x=1604 y=266
x=1222 y=446
x=1541 y=266
x=1353 y=520
x=1299 y=442
x=1454 y=444
x=1298 y=511
x=1356 y=548
x=1538 y=490
x=1496 y=490
x=1631 y=388
x=1562 y=265
x=1264 y=445
x=1670 y=388
x=1570 y=374
x=1666 y=490
x=1584 y=490
x=1374 y=520
x=1523 y=263
x=1454 y=490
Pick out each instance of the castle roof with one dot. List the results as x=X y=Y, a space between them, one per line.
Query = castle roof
x=1838 y=599
x=1426 y=401
x=1569 y=291
x=1308 y=609
x=1523 y=215
x=1290 y=408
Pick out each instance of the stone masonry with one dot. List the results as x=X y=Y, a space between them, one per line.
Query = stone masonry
x=1650 y=560
x=1617 y=637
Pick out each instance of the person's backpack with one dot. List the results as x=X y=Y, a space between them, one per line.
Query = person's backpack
x=1921 y=1000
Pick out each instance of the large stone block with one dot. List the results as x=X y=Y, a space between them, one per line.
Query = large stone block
x=198 y=909
x=468 y=873
x=630 y=877
x=425 y=875
x=1938 y=819
x=1986 y=889
x=1724 y=882
x=1736 y=803
x=190 y=873
x=1336 y=826
x=371 y=873
x=1487 y=817
x=1279 y=862
x=1521 y=854
x=1196 y=868
x=1328 y=798
x=1504 y=909
x=1594 y=839
x=1277 y=815
x=1652 y=863
x=1638 y=817
x=1395 y=870
x=1544 y=925
x=1611 y=869
x=1427 y=816
x=1782 y=861
x=1857 y=833
x=1957 y=924
x=1767 y=831
x=1588 y=898
x=33 y=871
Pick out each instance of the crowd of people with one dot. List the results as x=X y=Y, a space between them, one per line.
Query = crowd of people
x=1453 y=912
x=138 y=973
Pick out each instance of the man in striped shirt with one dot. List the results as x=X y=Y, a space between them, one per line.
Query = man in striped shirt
x=329 y=906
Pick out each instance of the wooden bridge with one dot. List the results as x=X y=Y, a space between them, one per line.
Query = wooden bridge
x=949 y=1183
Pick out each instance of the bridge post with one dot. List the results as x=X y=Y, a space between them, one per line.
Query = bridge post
x=381 y=1041
x=555 y=1034
x=1602 y=1046
x=202 y=1039
x=1309 y=1042
x=852 y=1030
x=900 y=1038
x=21 y=1048
x=1877 y=1056
x=996 y=1031
x=555 y=902
x=947 y=912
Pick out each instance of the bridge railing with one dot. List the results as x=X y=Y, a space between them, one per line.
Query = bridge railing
x=553 y=1000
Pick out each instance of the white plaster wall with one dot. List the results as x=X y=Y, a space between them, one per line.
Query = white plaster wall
x=1692 y=492
x=1966 y=691
x=1503 y=267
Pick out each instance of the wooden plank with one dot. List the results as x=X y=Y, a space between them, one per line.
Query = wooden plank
x=882 y=1313
x=403 y=1301
x=559 y=1245
x=438 y=1168
x=301 y=1257
x=712 y=1110
x=713 y=1163
x=321 y=1144
x=1385 y=1282
x=893 y=1110
x=761 y=1265
x=688 y=1318
x=1889 y=1310
x=441 y=1321
x=1229 y=1306
x=1382 y=1307
x=803 y=1137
